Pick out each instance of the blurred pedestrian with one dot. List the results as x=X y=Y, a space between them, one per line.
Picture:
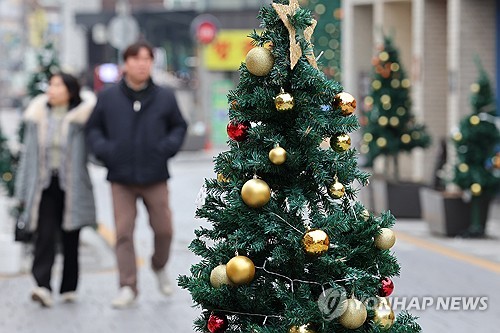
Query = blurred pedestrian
x=53 y=184
x=135 y=128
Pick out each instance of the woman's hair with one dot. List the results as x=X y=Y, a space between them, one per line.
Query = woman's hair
x=73 y=87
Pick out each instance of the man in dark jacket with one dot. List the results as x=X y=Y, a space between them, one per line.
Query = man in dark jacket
x=135 y=128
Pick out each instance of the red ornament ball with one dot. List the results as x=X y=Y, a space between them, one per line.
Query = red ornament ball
x=217 y=323
x=386 y=287
x=238 y=131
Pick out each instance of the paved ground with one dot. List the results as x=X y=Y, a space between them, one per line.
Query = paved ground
x=431 y=267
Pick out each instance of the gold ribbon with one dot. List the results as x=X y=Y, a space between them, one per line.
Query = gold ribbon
x=295 y=50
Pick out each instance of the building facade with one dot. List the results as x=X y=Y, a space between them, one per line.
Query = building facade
x=438 y=40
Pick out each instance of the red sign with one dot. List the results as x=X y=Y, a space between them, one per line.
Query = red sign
x=206 y=32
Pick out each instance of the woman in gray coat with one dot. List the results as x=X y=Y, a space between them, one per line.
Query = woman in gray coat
x=53 y=183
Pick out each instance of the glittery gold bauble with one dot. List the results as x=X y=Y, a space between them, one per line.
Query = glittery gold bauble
x=394 y=121
x=336 y=190
x=474 y=120
x=222 y=179
x=405 y=83
x=256 y=193
x=381 y=142
x=395 y=83
x=218 y=277
x=376 y=84
x=367 y=137
x=476 y=189
x=457 y=136
x=259 y=61
x=315 y=242
x=401 y=111
x=277 y=155
x=354 y=315
x=406 y=138
x=345 y=102
x=240 y=270
x=475 y=88
x=302 y=329
x=384 y=99
x=383 y=121
x=368 y=100
x=463 y=167
x=383 y=56
x=394 y=67
x=365 y=214
x=385 y=239
x=384 y=316
x=284 y=101
x=340 y=142
x=7 y=177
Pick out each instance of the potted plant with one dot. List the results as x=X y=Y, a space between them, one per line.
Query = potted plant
x=476 y=171
x=389 y=129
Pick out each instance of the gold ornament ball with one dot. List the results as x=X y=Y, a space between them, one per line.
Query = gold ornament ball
x=474 y=120
x=336 y=190
x=496 y=161
x=240 y=270
x=463 y=167
x=381 y=142
x=394 y=121
x=383 y=121
x=476 y=189
x=340 y=142
x=475 y=87
x=383 y=56
x=376 y=84
x=384 y=315
x=457 y=136
x=355 y=314
x=302 y=329
x=218 y=277
x=256 y=193
x=385 y=239
x=277 y=155
x=222 y=179
x=406 y=138
x=315 y=242
x=7 y=177
x=365 y=214
x=259 y=61
x=284 y=102
x=346 y=102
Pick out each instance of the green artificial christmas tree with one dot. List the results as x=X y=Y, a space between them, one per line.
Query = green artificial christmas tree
x=327 y=35
x=390 y=127
x=476 y=141
x=287 y=237
x=47 y=65
x=7 y=163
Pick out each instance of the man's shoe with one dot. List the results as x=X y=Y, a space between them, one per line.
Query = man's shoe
x=163 y=282
x=68 y=297
x=43 y=296
x=125 y=298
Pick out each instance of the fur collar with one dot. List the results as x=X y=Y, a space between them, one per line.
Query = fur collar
x=36 y=110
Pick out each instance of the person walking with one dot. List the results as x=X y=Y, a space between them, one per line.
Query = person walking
x=135 y=128
x=53 y=184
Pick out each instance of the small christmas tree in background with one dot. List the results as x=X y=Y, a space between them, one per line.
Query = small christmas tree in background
x=327 y=35
x=47 y=65
x=477 y=168
x=288 y=241
x=390 y=126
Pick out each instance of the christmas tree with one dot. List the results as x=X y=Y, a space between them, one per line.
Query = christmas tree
x=390 y=126
x=47 y=65
x=327 y=34
x=477 y=169
x=289 y=248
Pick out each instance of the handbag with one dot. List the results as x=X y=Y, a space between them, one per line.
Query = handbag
x=21 y=233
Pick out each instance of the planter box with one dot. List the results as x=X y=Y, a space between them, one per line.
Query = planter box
x=401 y=198
x=447 y=214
